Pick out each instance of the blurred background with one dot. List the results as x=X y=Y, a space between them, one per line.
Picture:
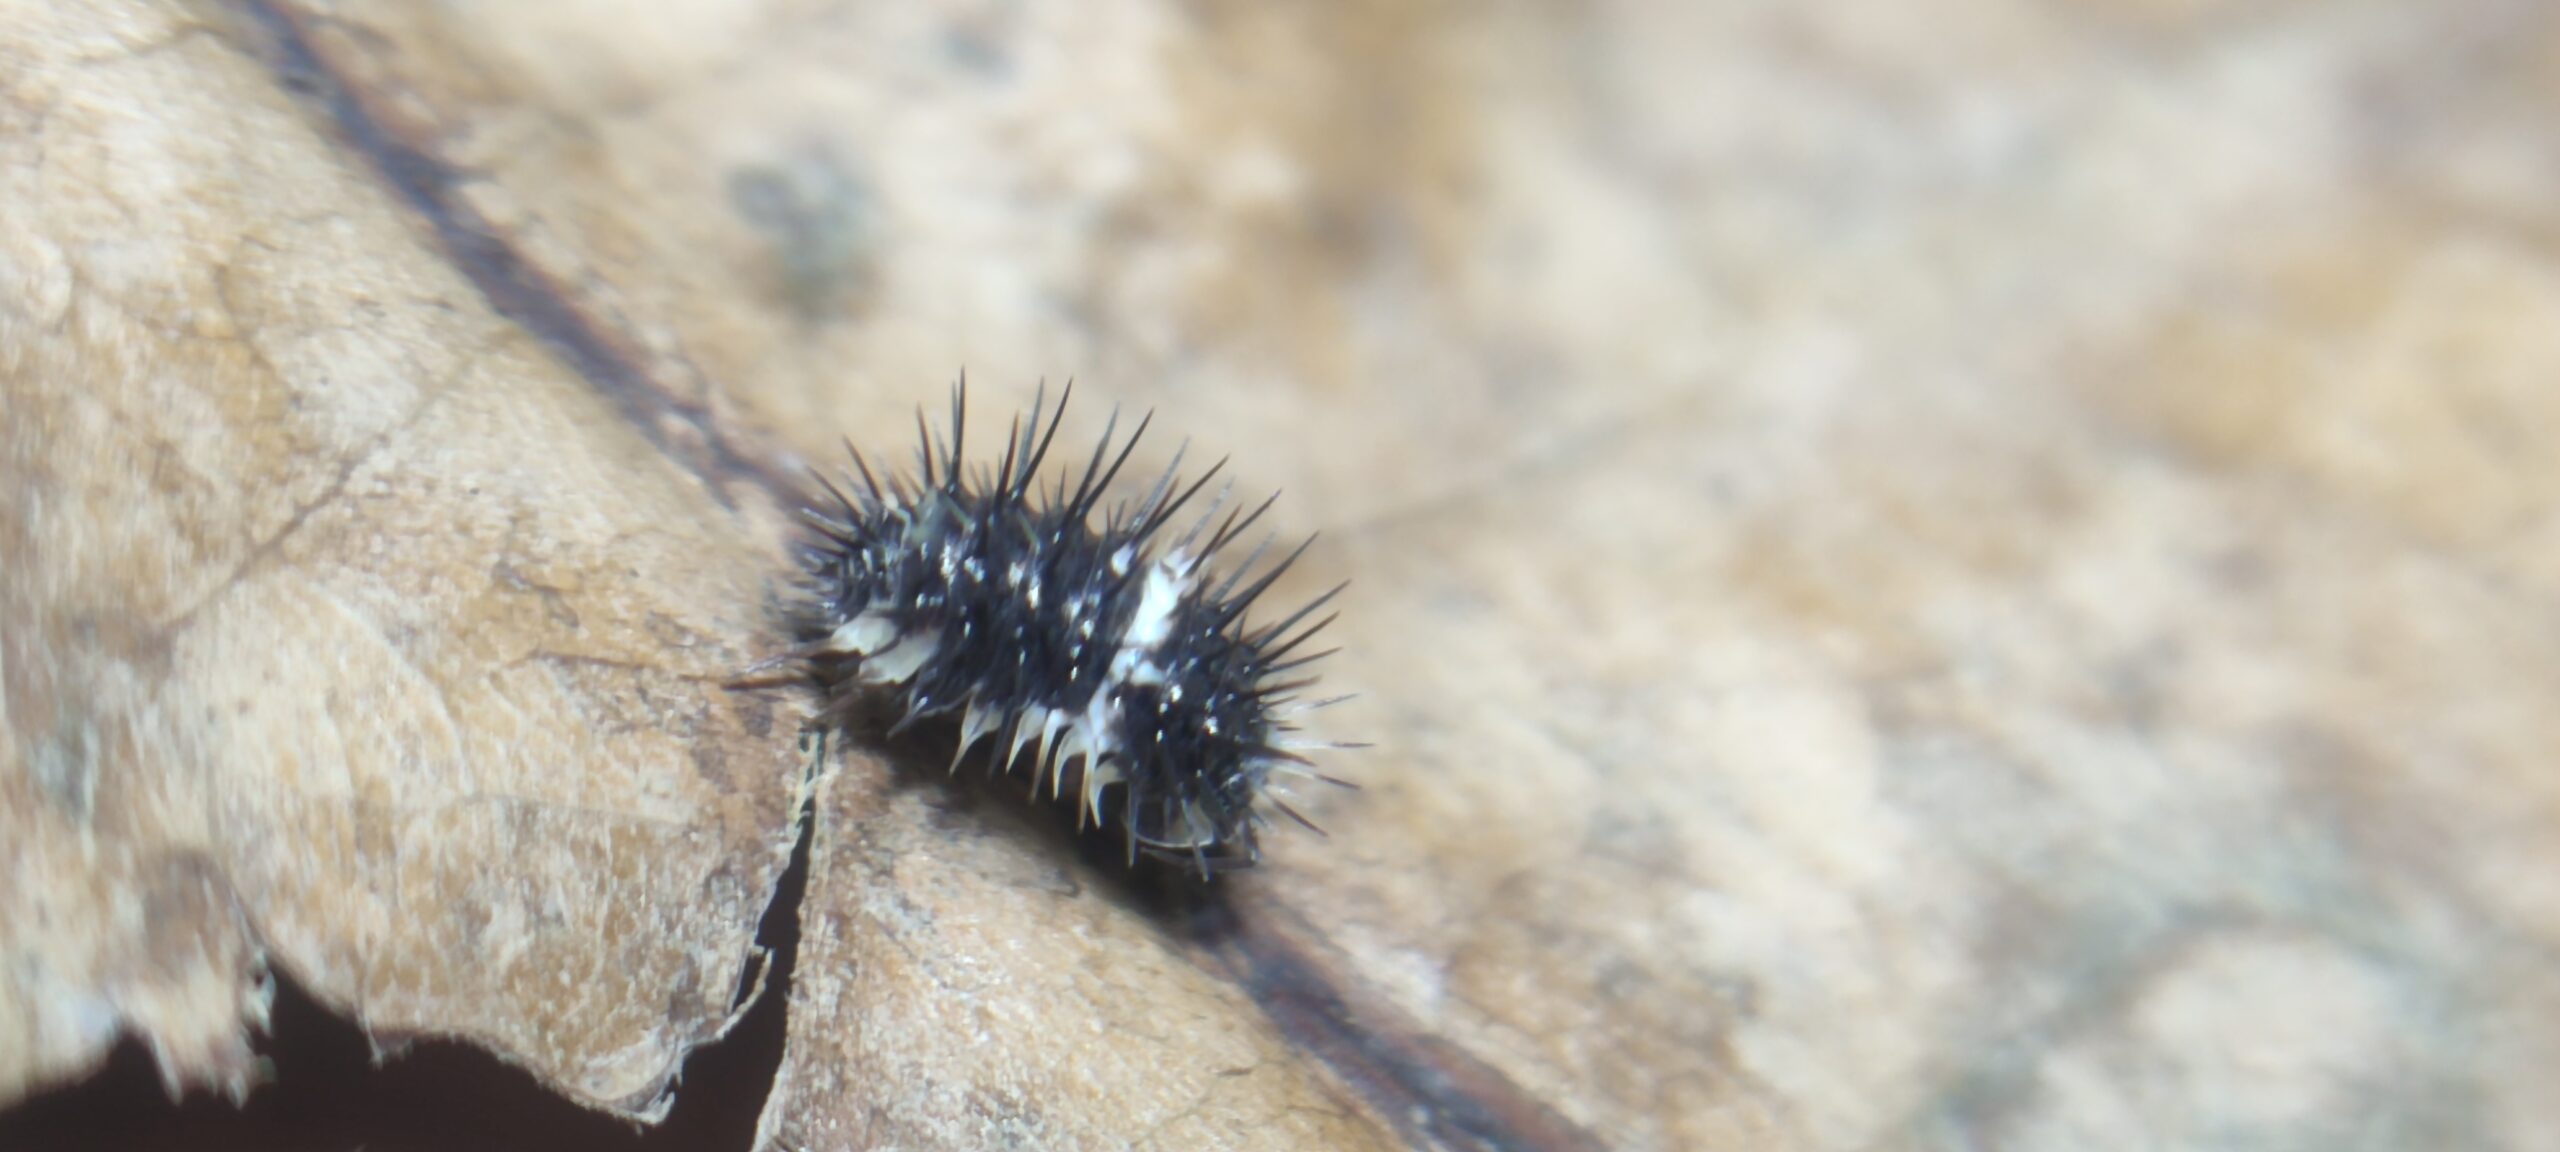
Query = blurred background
x=1961 y=575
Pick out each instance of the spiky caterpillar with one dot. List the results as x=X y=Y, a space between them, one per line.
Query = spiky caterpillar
x=968 y=590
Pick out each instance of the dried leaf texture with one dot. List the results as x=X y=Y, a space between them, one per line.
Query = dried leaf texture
x=343 y=628
x=1965 y=576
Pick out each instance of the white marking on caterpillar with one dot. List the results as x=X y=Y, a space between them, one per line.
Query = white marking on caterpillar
x=898 y=662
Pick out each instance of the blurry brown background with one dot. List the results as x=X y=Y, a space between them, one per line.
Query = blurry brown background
x=1966 y=575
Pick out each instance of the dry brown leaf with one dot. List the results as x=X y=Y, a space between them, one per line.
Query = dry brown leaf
x=1937 y=578
x=345 y=628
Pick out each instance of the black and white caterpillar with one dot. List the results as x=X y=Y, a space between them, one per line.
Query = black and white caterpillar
x=971 y=590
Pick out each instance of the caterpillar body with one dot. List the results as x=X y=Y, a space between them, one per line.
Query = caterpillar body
x=972 y=591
